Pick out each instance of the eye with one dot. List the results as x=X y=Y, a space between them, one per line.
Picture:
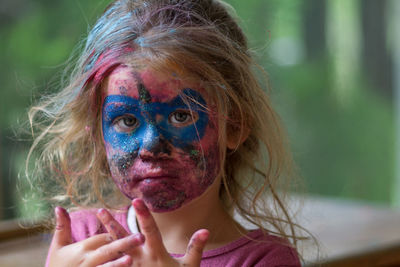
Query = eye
x=126 y=123
x=182 y=117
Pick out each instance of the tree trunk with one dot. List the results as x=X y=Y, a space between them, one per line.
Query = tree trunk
x=377 y=63
x=2 y=191
x=314 y=28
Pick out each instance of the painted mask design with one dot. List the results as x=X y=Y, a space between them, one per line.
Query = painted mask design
x=161 y=142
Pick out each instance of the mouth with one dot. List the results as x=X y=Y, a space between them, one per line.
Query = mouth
x=155 y=183
x=145 y=172
x=153 y=177
x=157 y=177
x=148 y=180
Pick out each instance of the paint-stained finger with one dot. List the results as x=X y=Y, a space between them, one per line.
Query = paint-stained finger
x=148 y=227
x=62 y=234
x=195 y=248
x=115 y=249
x=113 y=226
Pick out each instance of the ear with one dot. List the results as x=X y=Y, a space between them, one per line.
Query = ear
x=235 y=137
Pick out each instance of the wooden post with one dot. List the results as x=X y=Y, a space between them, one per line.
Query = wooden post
x=395 y=9
x=376 y=59
x=2 y=193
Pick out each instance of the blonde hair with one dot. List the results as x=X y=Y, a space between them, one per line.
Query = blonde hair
x=198 y=39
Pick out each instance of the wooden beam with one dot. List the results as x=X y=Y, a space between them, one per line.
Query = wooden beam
x=12 y=229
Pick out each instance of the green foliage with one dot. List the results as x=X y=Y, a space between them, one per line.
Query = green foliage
x=35 y=46
x=343 y=148
x=343 y=143
x=36 y=41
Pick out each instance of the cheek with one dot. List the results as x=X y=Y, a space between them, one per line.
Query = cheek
x=209 y=142
x=210 y=146
x=204 y=155
x=119 y=161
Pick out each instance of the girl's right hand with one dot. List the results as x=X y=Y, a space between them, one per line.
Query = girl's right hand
x=96 y=250
x=153 y=253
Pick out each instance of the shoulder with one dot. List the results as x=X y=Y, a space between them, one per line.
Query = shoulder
x=255 y=249
x=279 y=252
x=84 y=223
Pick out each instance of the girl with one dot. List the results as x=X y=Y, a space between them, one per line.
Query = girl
x=164 y=103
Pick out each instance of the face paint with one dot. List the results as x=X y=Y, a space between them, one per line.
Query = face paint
x=160 y=141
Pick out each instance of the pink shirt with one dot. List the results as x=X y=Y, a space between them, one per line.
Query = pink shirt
x=243 y=252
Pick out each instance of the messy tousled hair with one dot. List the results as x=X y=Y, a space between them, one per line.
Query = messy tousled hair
x=195 y=39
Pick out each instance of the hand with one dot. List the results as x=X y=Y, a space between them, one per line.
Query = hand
x=94 y=251
x=153 y=252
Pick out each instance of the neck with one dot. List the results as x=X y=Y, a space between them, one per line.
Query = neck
x=178 y=226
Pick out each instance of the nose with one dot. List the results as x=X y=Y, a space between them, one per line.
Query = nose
x=154 y=144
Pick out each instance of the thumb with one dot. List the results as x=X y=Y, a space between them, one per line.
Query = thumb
x=62 y=235
x=195 y=248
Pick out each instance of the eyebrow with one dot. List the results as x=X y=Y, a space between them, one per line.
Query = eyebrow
x=190 y=99
x=127 y=100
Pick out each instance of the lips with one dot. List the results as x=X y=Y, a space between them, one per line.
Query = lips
x=137 y=182
x=153 y=177
x=150 y=178
x=161 y=169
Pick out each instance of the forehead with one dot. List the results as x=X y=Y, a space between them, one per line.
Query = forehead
x=161 y=87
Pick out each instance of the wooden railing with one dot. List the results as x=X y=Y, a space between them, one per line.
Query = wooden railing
x=12 y=229
x=384 y=257
x=23 y=244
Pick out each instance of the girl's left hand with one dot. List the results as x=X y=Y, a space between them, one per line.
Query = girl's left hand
x=153 y=252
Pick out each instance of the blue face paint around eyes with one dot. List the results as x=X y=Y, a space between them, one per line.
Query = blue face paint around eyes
x=150 y=129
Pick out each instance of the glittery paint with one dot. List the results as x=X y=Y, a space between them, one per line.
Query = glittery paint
x=149 y=130
x=158 y=158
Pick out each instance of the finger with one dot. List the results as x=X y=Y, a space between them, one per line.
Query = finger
x=121 y=262
x=62 y=234
x=113 y=226
x=115 y=249
x=195 y=248
x=96 y=241
x=148 y=226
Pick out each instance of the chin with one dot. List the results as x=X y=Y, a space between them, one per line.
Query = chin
x=161 y=202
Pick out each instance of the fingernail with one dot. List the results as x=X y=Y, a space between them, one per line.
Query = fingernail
x=102 y=214
x=141 y=237
x=59 y=224
x=58 y=211
x=126 y=260
x=140 y=207
x=137 y=239
x=203 y=236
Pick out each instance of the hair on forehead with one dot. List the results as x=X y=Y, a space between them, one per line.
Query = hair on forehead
x=183 y=37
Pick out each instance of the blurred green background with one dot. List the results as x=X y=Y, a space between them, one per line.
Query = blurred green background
x=332 y=67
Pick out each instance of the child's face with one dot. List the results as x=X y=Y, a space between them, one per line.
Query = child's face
x=160 y=147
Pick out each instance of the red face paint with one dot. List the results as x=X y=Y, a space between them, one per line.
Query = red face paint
x=159 y=147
